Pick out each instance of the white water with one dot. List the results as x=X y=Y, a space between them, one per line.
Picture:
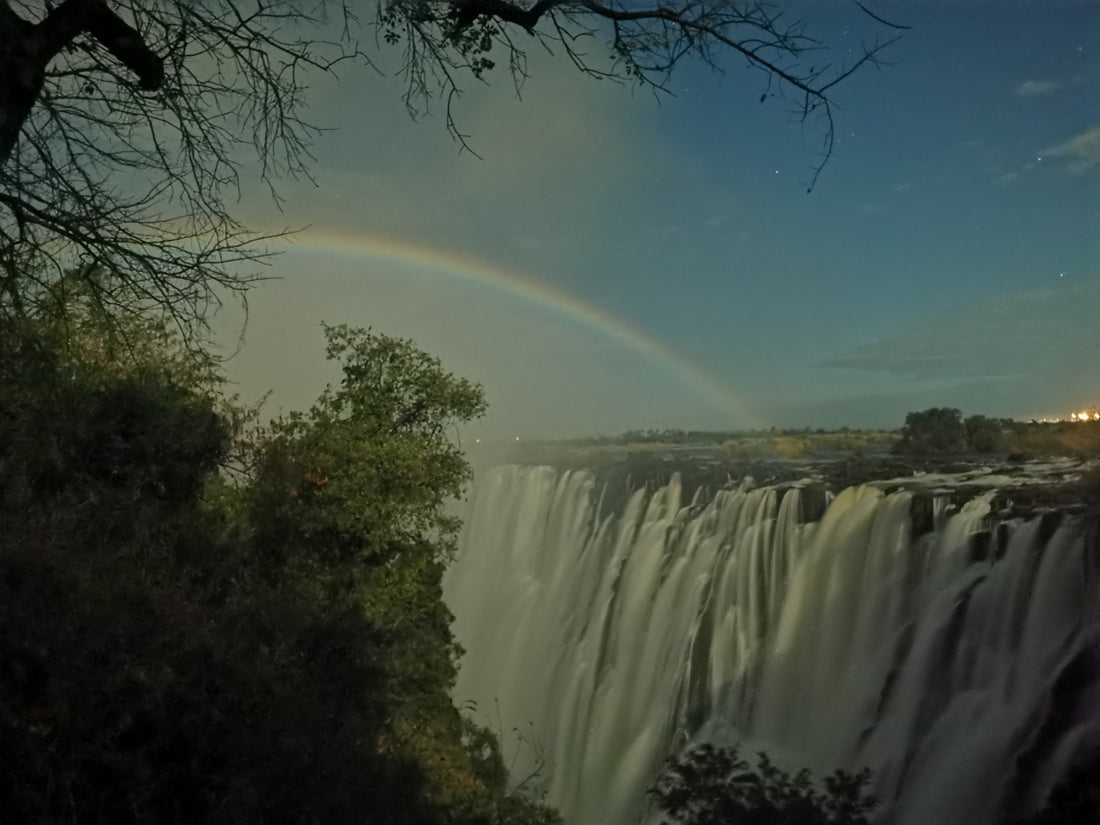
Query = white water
x=610 y=641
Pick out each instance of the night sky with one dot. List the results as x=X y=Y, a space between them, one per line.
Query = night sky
x=615 y=261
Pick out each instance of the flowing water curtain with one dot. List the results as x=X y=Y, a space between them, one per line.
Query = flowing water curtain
x=611 y=639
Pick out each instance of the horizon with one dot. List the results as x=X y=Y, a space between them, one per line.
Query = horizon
x=614 y=262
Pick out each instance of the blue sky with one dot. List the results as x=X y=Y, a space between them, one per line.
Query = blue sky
x=948 y=255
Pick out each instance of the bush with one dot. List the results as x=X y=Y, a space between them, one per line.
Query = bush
x=983 y=435
x=935 y=430
x=708 y=785
x=161 y=661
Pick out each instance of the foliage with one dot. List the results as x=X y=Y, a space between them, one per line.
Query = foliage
x=708 y=785
x=983 y=435
x=362 y=476
x=943 y=430
x=158 y=662
x=113 y=412
x=934 y=430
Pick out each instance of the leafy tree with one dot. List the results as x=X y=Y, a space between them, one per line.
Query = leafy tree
x=935 y=430
x=363 y=475
x=123 y=124
x=983 y=435
x=158 y=664
x=708 y=785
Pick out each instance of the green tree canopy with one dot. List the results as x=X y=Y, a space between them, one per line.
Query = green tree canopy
x=181 y=644
x=935 y=430
x=365 y=472
x=983 y=434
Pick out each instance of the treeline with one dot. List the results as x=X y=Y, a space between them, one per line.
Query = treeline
x=944 y=430
x=207 y=621
x=670 y=435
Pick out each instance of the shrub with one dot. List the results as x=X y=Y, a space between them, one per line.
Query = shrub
x=708 y=785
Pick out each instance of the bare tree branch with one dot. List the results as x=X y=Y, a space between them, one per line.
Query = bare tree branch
x=446 y=38
x=125 y=124
x=123 y=130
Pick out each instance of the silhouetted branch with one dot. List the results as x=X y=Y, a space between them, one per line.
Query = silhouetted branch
x=124 y=124
x=646 y=42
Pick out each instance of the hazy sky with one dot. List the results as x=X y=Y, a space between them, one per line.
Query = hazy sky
x=682 y=276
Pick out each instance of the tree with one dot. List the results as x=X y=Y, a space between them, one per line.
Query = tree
x=983 y=435
x=708 y=785
x=158 y=663
x=121 y=132
x=362 y=477
x=123 y=125
x=935 y=430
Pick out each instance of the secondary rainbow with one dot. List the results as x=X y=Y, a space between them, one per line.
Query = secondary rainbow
x=483 y=272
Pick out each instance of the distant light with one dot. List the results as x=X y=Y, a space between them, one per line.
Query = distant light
x=477 y=440
x=1073 y=416
x=1083 y=416
x=517 y=438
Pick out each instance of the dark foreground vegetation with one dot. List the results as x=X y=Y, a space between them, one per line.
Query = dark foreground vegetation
x=708 y=785
x=205 y=621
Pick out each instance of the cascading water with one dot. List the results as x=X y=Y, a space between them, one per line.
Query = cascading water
x=960 y=664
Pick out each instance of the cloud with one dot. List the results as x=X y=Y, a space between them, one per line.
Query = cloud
x=1081 y=152
x=1037 y=88
x=1006 y=178
x=901 y=187
x=1032 y=336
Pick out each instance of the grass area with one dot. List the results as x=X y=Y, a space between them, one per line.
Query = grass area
x=803 y=445
x=1060 y=438
x=726 y=446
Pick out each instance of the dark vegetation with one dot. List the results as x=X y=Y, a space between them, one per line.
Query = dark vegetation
x=707 y=785
x=944 y=431
x=202 y=620
x=710 y=785
x=205 y=620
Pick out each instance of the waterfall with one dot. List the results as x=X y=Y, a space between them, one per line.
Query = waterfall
x=957 y=656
